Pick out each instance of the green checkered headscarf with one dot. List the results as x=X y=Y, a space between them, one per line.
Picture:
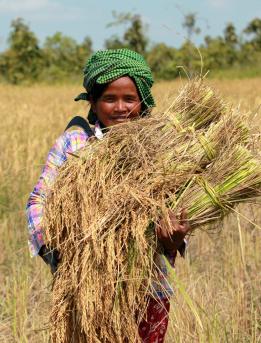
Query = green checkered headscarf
x=108 y=65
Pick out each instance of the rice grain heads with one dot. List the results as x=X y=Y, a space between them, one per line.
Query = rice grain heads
x=101 y=213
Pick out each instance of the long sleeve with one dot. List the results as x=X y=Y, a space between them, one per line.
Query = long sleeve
x=67 y=143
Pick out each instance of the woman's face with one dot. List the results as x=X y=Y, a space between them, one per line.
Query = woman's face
x=118 y=103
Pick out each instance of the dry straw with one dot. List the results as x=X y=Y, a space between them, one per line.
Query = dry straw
x=101 y=210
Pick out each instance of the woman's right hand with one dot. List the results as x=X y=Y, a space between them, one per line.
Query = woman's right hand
x=172 y=231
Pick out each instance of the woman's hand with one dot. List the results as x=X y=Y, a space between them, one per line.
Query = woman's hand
x=171 y=231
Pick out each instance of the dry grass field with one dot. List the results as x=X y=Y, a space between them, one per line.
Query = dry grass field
x=221 y=273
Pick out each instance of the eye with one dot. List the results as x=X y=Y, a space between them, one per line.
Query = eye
x=108 y=98
x=130 y=98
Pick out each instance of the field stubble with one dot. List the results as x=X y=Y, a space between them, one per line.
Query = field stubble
x=221 y=272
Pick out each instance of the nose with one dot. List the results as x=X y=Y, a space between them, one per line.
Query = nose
x=121 y=106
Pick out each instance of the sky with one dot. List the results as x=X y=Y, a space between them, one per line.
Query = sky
x=163 y=18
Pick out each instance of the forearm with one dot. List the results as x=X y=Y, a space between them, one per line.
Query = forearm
x=34 y=212
x=36 y=201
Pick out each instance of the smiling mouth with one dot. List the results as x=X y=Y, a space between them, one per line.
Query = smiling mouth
x=119 y=118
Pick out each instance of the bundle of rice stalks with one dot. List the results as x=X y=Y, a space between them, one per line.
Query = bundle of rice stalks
x=198 y=105
x=103 y=205
x=232 y=179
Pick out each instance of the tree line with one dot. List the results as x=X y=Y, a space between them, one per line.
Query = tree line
x=61 y=57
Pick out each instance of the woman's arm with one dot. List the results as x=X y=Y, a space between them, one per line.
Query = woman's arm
x=36 y=201
x=67 y=143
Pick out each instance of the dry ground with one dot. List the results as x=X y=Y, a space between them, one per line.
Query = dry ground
x=221 y=272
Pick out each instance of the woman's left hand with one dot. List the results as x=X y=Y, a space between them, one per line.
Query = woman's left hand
x=171 y=231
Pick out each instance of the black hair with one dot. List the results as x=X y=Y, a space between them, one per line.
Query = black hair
x=97 y=91
x=95 y=94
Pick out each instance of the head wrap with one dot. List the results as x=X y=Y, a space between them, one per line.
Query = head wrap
x=108 y=65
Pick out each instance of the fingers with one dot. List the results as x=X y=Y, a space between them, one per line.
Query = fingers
x=171 y=224
x=183 y=217
x=163 y=230
x=179 y=223
x=184 y=220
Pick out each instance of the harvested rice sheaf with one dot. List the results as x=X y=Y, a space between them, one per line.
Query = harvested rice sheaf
x=101 y=212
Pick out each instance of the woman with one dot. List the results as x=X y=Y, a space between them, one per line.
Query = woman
x=118 y=84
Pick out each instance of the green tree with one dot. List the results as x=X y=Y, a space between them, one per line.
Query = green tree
x=231 y=41
x=84 y=51
x=188 y=49
x=230 y=35
x=64 y=57
x=247 y=54
x=163 y=61
x=135 y=35
x=23 y=59
x=214 y=53
x=254 y=29
x=114 y=42
x=60 y=55
x=189 y=59
x=189 y=25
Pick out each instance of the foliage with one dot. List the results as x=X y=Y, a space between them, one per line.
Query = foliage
x=60 y=54
x=231 y=42
x=114 y=43
x=211 y=50
x=62 y=58
x=162 y=60
x=254 y=29
x=133 y=38
x=23 y=60
x=189 y=25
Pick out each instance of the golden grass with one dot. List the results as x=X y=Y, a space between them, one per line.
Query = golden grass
x=221 y=273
